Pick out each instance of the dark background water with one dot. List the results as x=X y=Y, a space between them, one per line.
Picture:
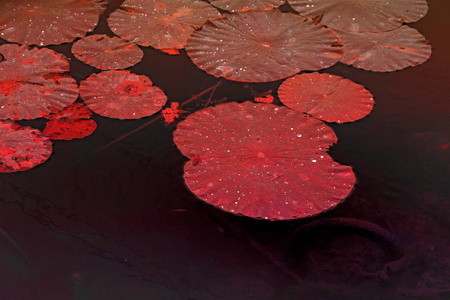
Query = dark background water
x=120 y=223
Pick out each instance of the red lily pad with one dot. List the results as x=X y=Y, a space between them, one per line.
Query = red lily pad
x=327 y=97
x=244 y=5
x=32 y=82
x=262 y=161
x=103 y=52
x=162 y=24
x=262 y=46
x=22 y=147
x=362 y=15
x=385 y=51
x=122 y=95
x=48 y=22
x=73 y=122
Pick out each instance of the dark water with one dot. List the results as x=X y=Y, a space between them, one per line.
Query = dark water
x=120 y=224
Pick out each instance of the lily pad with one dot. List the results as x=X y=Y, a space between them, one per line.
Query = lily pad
x=33 y=82
x=262 y=161
x=104 y=52
x=244 y=5
x=362 y=15
x=262 y=46
x=385 y=51
x=162 y=24
x=48 y=22
x=122 y=95
x=73 y=122
x=22 y=148
x=327 y=97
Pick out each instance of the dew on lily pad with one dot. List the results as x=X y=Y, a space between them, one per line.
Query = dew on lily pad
x=122 y=95
x=162 y=24
x=104 y=52
x=73 y=122
x=262 y=161
x=22 y=147
x=244 y=5
x=385 y=51
x=362 y=15
x=262 y=46
x=48 y=22
x=33 y=82
x=327 y=97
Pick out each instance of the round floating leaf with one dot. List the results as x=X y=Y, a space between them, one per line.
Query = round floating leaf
x=32 y=83
x=105 y=52
x=48 y=22
x=244 y=5
x=262 y=46
x=362 y=15
x=327 y=97
x=162 y=24
x=385 y=51
x=262 y=160
x=73 y=122
x=22 y=148
x=122 y=95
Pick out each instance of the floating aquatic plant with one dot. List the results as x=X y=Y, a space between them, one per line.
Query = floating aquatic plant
x=22 y=147
x=104 y=52
x=162 y=24
x=362 y=15
x=48 y=22
x=33 y=82
x=327 y=97
x=73 y=122
x=122 y=95
x=262 y=46
x=385 y=51
x=244 y=5
x=262 y=161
